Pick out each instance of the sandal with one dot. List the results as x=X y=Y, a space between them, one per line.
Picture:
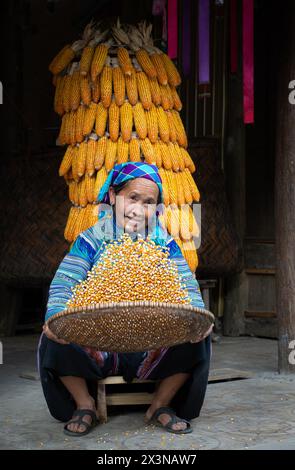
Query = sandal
x=88 y=426
x=174 y=419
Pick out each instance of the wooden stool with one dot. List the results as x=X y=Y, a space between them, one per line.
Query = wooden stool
x=135 y=398
x=145 y=398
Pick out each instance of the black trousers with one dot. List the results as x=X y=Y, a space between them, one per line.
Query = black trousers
x=56 y=360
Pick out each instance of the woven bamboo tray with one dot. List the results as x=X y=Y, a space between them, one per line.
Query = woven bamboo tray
x=131 y=326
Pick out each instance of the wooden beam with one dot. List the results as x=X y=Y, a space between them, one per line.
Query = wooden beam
x=285 y=186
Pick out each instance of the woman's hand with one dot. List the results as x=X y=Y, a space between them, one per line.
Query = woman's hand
x=52 y=336
x=200 y=338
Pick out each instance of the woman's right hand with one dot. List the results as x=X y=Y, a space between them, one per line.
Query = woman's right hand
x=52 y=336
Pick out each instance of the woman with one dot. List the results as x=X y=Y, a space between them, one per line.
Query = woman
x=69 y=373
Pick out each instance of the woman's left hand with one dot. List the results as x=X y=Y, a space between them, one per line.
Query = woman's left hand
x=200 y=338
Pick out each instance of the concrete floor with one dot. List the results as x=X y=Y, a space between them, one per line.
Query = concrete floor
x=256 y=413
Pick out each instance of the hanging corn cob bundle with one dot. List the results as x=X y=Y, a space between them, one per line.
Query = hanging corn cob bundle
x=117 y=98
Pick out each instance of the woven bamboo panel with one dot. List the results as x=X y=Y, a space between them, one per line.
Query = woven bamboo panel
x=220 y=250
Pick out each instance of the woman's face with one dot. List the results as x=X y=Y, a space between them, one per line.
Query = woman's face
x=137 y=206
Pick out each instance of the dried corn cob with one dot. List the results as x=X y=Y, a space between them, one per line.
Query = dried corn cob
x=155 y=91
x=188 y=160
x=101 y=177
x=177 y=104
x=172 y=72
x=124 y=61
x=85 y=90
x=180 y=190
x=172 y=130
x=131 y=88
x=80 y=116
x=165 y=187
x=152 y=124
x=62 y=60
x=89 y=183
x=66 y=163
x=66 y=97
x=81 y=159
x=72 y=128
x=95 y=90
x=82 y=192
x=158 y=154
x=114 y=121
x=139 y=118
x=191 y=255
x=180 y=156
x=106 y=85
x=75 y=163
x=58 y=96
x=71 y=185
x=62 y=138
x=119 y=85
x=172 y=186
x=173 y=156
x=122 y=151
x=100 y=153
x=185 y=233
x=111 y=154
x=86 y=60
x=148 y=151
x=166 y=157
x=145 y=63
x=126 y=121
x=186 y=188
x=75 y=97
x=98 y=61
x=159 y=66
x=90 y=158
x=166 y=102
x=89 y=118
x=70 y=222
x=193 y=187
x=144 y=91
x=134 y=150
x=101 y=119
x=163 y=124
x=180 y=131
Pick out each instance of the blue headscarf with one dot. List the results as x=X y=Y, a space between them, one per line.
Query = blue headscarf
x=129 y=171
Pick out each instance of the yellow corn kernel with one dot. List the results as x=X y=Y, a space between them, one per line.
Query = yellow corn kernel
x=66 y=163
x=95 y=90
x=66 y=97
x=75 y=97
x=80 y=116
x=172 y=130
x=148 y=151
x=101 y=177
x=81 y=159
x=165 y=186
x=186 y=188
x=62 y=60
x=180 y=131
x=166 y=157
x=91 y=152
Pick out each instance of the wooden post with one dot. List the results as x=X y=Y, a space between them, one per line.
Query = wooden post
x=285 y=188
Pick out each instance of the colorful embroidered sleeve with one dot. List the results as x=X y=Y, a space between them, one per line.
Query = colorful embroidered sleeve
x=186 y=275
x=72 y=270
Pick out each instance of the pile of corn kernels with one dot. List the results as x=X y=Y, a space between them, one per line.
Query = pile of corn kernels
x=131 y=271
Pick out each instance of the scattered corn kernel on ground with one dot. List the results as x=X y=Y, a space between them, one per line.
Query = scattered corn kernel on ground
x=131 y=271
x=117 y=98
